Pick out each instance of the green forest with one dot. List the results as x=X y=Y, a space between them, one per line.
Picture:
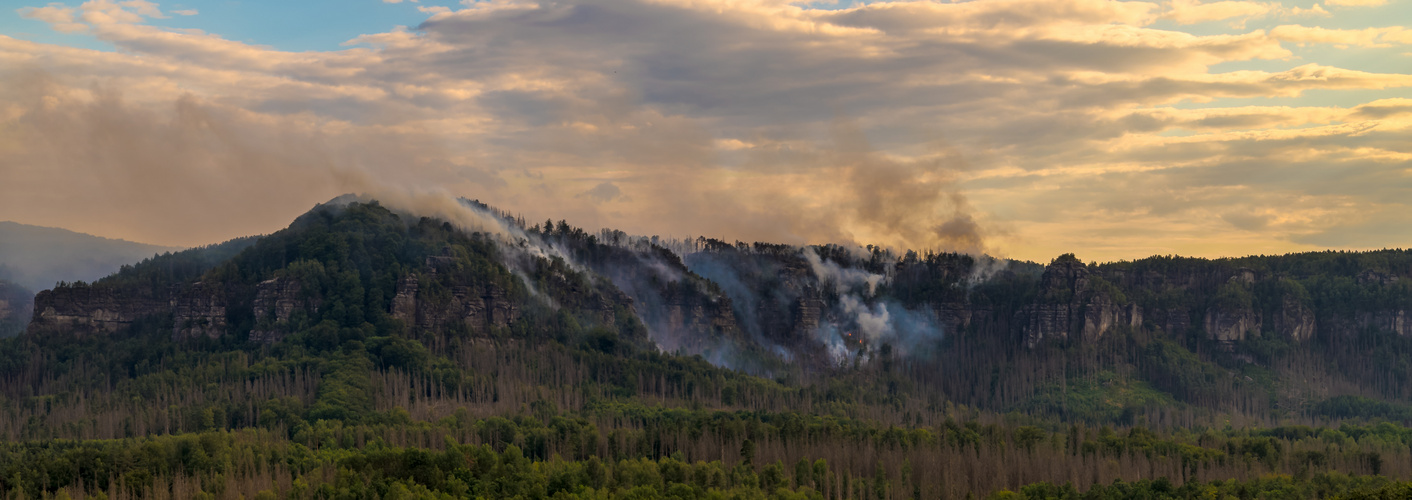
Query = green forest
x=366 y=354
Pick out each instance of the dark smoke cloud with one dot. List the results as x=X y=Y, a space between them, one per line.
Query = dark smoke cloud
x=915 y=203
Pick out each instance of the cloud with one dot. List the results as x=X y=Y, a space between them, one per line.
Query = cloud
x=1368 y=37
x=1023 y=127
x=59 y=17
x=1355 y=3
x=1195 y=11
x=144 y=8
x=603 y=192
x=1247 y=221
x=186 y=12
x=189 y=167
x=1317 y=10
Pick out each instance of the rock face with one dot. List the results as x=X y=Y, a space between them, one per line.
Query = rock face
x=1371 y=277
x=691 y=322
x=1398 y=321
x=404 y=303
x=478 y=308
x=199 y=310
x=481 y=308
x=275 y=302
x=1295 y=320
x=1175 y=320
x=278 y=298
x=1068 y=306
x=808 y=314
x=87 y=309
x=1230 y=326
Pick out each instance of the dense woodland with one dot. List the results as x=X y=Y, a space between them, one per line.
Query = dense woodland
x=574 y=398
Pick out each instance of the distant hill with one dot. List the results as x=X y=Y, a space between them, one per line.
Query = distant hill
x=37 y=257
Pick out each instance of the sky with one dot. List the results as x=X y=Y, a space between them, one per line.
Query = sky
x=1019 y=128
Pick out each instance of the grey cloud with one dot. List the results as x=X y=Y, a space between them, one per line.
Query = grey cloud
x=603 y=192
x=1384 y=229
x=1247 y=221
x=1374 y=111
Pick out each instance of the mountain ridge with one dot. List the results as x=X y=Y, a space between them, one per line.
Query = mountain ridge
x=37 y=257
x=769 y=308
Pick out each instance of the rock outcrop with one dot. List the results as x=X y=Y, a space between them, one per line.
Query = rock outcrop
x=278 y=299
x=87 y=309
x=1175 y=320
x=404 y=303
x=1372 y=277
x=691 y=321
x=275 y=302
x=199 y=310
x=808 y=315
x=1295 y=320
x=1228 y=326
x=1070 y=306
x=478 y=307
x=1397 y=321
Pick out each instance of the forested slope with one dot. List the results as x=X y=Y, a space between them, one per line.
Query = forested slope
x=362 y=353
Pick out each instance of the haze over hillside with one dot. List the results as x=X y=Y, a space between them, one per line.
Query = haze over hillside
x=37 y=257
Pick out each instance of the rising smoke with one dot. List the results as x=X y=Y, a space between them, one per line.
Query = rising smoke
x=861 y=323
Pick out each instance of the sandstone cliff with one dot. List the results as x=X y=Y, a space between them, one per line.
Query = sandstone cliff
x=1295 y=319
x=199 y=310
x=275 y=302
x=87 y=309
x=1228 y=326
x=1398 y=321
x=1073 y=304
x=690 y=320
x=479 y=308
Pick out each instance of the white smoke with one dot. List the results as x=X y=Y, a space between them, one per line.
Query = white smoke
x=863 y=321
x=521 y=249
x=843 y=279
